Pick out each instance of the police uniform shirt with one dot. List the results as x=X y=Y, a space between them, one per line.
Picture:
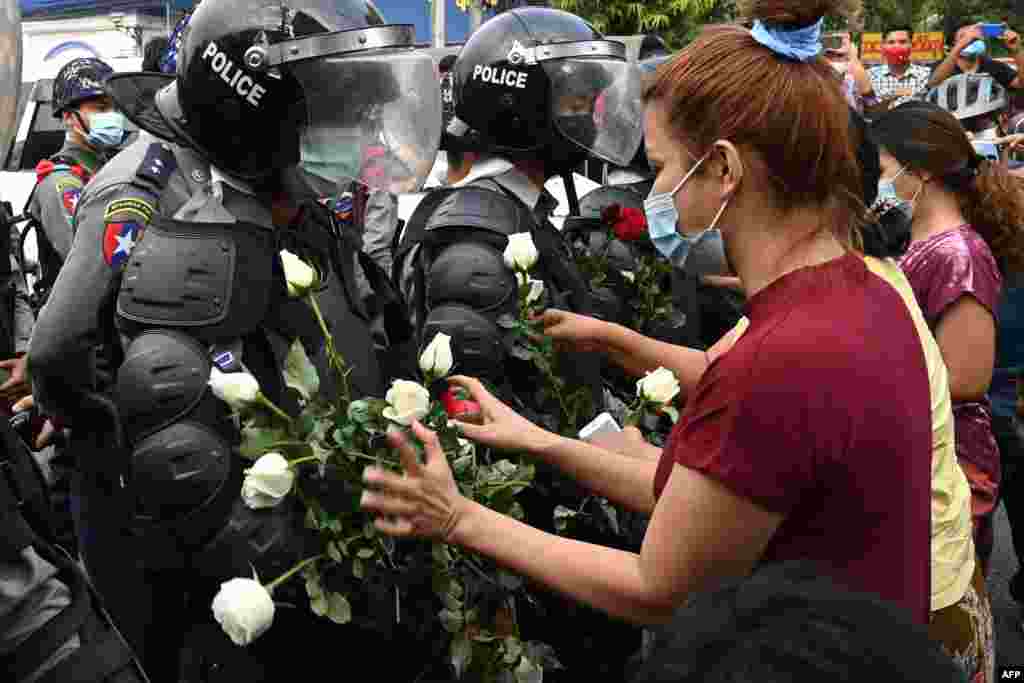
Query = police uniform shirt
x=57 y=196
x=503 y=172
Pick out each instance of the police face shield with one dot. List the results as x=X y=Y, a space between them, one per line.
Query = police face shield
x=10 y=71
x=595 y=97
x=372 y=106
x=373 y=118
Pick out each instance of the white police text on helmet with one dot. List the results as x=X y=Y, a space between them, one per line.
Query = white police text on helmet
x=507 y=77
x=231 y=74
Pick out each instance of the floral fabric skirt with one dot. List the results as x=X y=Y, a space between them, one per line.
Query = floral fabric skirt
x=966 y=631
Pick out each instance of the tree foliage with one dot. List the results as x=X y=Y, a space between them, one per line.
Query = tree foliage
x=673 y=20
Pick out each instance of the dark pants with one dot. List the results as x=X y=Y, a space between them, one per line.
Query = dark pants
x=1011 y=453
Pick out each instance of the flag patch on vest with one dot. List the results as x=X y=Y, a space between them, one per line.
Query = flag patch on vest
x=118 y=241
x=70 y=199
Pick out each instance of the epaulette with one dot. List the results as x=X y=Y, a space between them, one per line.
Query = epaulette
x=157 y=166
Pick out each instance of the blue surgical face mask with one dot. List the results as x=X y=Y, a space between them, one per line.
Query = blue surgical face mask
x=106 y=130
x=662 y=219
x=974 y=50
x=887 y=194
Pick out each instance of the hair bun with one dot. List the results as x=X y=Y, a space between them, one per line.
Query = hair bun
x=797 y=13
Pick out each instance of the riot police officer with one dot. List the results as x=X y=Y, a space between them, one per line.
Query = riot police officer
x=535 y=91
x=175 y=266
x=51 y=627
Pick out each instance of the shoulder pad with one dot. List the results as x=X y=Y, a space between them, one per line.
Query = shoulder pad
x=158 y=165
x=481 y=209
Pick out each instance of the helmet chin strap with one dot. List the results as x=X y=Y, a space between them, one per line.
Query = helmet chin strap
x=570 y=192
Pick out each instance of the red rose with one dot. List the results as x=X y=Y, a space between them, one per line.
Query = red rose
x=459 y=406
x=632 y=225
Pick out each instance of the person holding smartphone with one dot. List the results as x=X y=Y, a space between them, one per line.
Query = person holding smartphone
x=968 y=56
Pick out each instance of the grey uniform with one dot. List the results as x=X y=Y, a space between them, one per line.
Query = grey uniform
x=57 y=195
x=131 y=201
x=112 y=216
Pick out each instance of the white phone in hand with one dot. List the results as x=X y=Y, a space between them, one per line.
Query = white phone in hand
x=602 y=424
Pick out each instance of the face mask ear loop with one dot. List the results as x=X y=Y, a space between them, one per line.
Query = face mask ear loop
x=81 y=121
x=718 y=215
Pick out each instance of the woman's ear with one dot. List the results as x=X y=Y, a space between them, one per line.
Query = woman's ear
x=729 y=166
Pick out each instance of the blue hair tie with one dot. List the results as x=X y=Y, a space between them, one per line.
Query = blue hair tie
x=801 y=44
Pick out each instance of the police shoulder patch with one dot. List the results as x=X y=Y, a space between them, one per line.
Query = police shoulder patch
x=132 y=208
x=119 y=238
x=158 y=165
x=70 y=198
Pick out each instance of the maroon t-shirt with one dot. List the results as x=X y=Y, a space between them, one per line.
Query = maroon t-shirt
x=821 y=412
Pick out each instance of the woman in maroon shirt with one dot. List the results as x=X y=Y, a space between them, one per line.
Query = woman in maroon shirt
x=967 y=218
x=778 y=453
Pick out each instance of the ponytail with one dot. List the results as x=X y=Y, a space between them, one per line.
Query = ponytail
x=992 y=201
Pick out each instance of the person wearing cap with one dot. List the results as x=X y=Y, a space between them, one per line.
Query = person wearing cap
x=94 y=132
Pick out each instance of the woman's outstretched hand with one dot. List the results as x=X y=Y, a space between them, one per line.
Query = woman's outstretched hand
x=424 y=500
x=502 y=428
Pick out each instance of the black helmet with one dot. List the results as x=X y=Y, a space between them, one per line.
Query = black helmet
x=77 y=81
x=323 y=84
x=545 y=83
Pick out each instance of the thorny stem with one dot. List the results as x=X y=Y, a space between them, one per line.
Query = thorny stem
x=291 y=572
x=336 y=361
x=267 y=403
x=299 y=461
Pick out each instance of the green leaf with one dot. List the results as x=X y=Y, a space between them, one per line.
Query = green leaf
x=333 y=551
x=611 y=514
x=358 y=569
x=451 y=621
x=528 y=671
x=313 y=588
x=440 y=553
x=319 y=605
x=451 y=602
x=520 y=352
x=299 y=372
x=338 y=609
x=484 y=637
x=366 y=553
x=461 y=654
x=257 y=441
x=513 y=650
x=672 y=412
x=366 y=411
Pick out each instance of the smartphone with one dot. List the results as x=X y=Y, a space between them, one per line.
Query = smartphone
x=602 y=424
x=993 y=30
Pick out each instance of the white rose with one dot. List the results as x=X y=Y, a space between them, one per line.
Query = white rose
x=298 y=274
x=660 y=386
x=267 y=482
x=436 y=360
x=629 y=275
x=407 y=401
x=244 y=609
x=237 y=389
x=536 y=291
x=521 y=253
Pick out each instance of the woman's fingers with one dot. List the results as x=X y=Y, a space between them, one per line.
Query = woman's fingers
x=398 y=527
x=476 y=390
x=383 y=504
x=431 y=444
x=406 y=452
x=391 y=484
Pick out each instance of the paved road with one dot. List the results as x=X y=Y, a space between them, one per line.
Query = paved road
x=1009 y=637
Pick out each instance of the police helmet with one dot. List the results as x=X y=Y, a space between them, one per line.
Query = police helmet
x=542 y=82
x=79 y=80
x=322 y=84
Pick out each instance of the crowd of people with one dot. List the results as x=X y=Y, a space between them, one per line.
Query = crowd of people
x=847 y=413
